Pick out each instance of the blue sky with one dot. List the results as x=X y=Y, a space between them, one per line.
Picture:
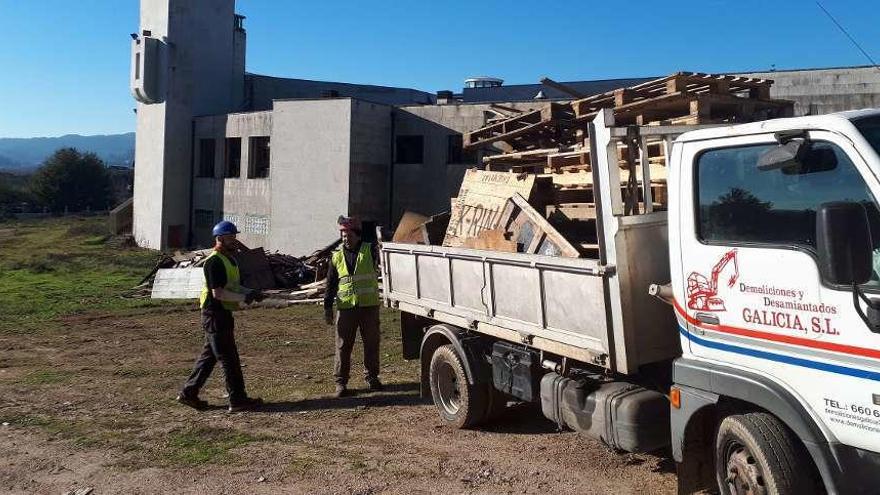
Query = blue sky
x=65 y=63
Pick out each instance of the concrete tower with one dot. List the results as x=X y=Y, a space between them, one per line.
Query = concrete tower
x=187 y=60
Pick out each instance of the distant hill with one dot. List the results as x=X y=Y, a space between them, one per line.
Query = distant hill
x=29 y=153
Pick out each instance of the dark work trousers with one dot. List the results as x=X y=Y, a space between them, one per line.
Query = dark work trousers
x=347 y=324
x=219 y=346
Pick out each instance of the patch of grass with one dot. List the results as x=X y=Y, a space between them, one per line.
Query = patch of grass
x=78 y=434
x=304 y=462
x=45 y=377
x=204 y=445
x=62 y=266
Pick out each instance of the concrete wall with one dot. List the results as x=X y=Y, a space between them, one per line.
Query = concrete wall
x=244 y=201
x=427 y=187
x=262 y=90
x=311 y=163
x=827 y=90
x=149 y=190
x=198 y=72
x=370 y=162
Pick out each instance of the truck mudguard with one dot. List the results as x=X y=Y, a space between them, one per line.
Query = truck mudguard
x=441 y=334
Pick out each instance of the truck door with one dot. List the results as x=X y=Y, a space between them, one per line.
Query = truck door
x=750 y=293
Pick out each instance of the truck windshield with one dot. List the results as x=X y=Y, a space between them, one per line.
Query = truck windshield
x=870 y=128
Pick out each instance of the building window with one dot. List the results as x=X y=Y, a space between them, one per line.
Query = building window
x=204 y=218
x=206 y=158
x=258 y=167
x=742 y=203
x=455 y=153
x=410 y=149
x=232 y=165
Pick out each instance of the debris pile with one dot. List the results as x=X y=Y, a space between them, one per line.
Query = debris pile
x=536 y=192
x=284 y=279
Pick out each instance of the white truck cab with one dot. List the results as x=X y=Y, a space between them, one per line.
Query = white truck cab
x=756 y=356
x=774 y=232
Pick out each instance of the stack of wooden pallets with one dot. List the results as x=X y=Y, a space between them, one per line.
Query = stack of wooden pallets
x=551 y=142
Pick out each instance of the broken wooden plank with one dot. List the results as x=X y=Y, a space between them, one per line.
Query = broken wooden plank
x=533 y=233
x=562 y=88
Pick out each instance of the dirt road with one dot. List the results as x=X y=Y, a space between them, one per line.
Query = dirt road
x=87 y=402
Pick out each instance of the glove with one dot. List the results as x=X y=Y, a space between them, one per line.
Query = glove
x=251 y=295
x=328 y=316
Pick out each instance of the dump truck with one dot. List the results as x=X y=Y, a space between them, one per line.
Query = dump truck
x=738 y=328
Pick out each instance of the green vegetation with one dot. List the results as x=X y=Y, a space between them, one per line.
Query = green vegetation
x=204 y=445
x=72 y=180
x=45 y=377
x=58 y=267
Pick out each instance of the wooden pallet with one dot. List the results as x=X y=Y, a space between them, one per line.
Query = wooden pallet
x=680 y=98
x=696 y=97
x=547 y=121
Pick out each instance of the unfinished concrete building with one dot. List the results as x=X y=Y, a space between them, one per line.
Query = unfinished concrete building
x=282 y=158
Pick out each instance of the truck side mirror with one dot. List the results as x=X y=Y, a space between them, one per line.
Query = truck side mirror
x=843 y=242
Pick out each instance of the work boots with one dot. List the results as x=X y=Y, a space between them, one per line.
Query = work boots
x=245 y=404
x=192 y=401
x=341 y=391
x=375 y=385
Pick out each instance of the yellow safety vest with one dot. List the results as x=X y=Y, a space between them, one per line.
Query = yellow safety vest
x=362 y=287
x=233 y=280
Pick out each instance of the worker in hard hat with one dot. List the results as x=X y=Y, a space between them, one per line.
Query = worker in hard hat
x=221 y=294
x=352 y=283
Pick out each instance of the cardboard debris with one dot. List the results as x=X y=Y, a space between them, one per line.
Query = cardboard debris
x=492 y=240
x=481 y=201
x=256 y=272
x=409 y=228
x=419 y=229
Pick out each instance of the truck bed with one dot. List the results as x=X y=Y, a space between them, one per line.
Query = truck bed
x=578 y=308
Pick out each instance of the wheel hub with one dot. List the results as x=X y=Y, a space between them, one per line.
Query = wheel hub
x=448 y=386
x=744 y=475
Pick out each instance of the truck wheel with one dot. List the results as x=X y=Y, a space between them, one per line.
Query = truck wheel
x=460 y=404
x=757 y=454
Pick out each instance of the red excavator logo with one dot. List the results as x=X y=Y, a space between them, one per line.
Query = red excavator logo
x=702 y=293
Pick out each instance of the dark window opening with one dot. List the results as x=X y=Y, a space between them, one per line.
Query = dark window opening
x=738 y=202
x=206 y=158
x=259 y=158
x=204 y=218
x=409 y=149
x=232 y=167
x=455 y=152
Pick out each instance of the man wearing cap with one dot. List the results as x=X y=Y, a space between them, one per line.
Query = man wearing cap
x=221 y=295
x=353 y=284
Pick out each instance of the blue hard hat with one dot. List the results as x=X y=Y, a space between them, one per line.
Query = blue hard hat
x=224 y=228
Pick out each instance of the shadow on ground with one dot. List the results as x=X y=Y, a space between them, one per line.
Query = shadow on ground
x=395 y=394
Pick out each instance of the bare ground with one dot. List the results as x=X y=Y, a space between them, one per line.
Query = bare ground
x=87 y=402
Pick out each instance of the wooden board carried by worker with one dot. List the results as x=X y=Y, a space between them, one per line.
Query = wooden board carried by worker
x=178 y=283
x=481 y=201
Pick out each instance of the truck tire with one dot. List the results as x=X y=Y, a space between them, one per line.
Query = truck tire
x=757 y=454
x=460 y=404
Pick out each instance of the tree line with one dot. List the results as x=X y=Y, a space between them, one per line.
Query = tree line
x=69 y=180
